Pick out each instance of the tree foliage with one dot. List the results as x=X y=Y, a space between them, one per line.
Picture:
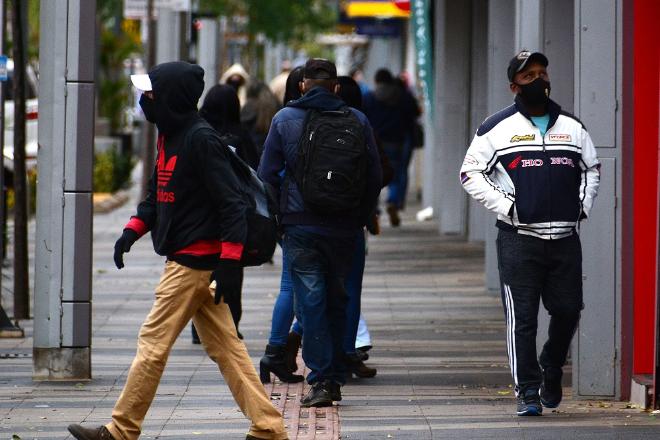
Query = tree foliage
x=290 y=21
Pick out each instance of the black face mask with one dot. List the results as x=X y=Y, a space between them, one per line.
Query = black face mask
x=149 y=108
x=536 y=93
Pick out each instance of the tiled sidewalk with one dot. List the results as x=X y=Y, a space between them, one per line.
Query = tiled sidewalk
x=439 y=348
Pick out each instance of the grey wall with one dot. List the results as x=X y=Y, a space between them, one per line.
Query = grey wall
x=452 y=47
x=582 y=41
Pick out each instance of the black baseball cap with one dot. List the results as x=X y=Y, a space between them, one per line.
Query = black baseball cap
x=319 y=68
x=520 y=61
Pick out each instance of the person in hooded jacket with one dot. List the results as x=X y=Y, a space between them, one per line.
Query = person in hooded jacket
x=196 y=216
x=237 y=77
x=221 y=110
x=318 y=247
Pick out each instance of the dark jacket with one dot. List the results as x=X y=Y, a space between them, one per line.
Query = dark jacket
x=221 y=109
x=193 y=206
x=280 y=152
x=392 y=112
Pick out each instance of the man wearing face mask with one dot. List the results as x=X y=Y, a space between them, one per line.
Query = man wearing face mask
x=536 y=167
x=196 y=216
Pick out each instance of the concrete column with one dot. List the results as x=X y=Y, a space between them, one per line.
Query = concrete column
x=501 y=47
x=208 y=43
x=528 y=26
x=63 y=283
x=452 y=48
x=477 y=214
x=168 y=36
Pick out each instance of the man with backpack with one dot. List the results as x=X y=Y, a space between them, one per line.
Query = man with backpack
x=196 y=211
x=322 y=157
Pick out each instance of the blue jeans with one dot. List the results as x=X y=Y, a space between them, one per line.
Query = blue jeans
x=353 y=287
x=319 y=265
x=399 y=156
x=283 y=310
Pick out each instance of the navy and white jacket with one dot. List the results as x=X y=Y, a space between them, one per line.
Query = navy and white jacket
x=550 y=181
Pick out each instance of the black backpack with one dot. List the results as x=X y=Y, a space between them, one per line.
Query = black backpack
x=331 y=163
x=261 y=215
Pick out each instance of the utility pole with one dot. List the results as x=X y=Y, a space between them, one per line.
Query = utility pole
x=7 y=328
x=63 y=266
x=148 y=156
x=21 y=281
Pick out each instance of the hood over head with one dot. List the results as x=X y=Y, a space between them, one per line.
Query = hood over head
x=176 y=86
x=221 y=108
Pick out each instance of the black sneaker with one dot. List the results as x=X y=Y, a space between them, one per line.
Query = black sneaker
x=318 y=396
x=97 y=433
x=529 y=402
x=335 y=391
x=551 y=392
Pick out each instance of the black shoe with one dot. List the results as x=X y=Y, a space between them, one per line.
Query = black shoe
x=318 y=396
x=357 y=367
x=291 y=348
x=273 y=362
x=195 y=336
x=529 y=402
x=362 y=352
x=335 y=390
x=239 y=334
x=82 y=433
x=551 y=392
x=393 y=213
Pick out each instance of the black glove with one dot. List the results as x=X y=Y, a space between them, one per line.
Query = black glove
x=228 y=279
x=128 y=237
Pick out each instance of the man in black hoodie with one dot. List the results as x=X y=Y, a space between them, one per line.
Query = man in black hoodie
x=196 y=215
x=319 y=246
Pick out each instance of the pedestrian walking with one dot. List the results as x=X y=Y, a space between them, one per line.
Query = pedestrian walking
x=332 y=177
x=536 y=167
x=259 y=109
x=237 y=77
x=196 y=215
x=392 y=112
x=221 y=110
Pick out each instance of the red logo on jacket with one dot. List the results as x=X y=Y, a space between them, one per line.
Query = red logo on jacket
x=514 y=163
x=164 y=173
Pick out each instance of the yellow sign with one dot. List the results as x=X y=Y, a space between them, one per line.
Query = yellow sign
x=382 y=9
x=132 y=29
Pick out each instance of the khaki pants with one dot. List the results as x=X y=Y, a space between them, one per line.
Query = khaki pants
x=182 y=294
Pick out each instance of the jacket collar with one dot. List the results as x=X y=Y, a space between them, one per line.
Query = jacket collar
x=553 y=109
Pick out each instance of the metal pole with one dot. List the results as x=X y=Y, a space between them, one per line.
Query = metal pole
x=148 y=159
x=7 y=328
x=21 y=281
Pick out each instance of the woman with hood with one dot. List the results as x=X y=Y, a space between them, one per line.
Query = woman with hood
x=237 y=77
x=221 y=110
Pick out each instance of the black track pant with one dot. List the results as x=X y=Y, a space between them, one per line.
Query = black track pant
x=532 y=269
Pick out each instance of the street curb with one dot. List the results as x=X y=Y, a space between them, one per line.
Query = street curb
x=104 y=203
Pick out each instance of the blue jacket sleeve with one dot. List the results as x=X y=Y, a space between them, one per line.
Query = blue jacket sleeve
x=375 y=172
x=272 y=159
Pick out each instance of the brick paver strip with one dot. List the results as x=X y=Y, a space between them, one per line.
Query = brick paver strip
x=303 y=423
